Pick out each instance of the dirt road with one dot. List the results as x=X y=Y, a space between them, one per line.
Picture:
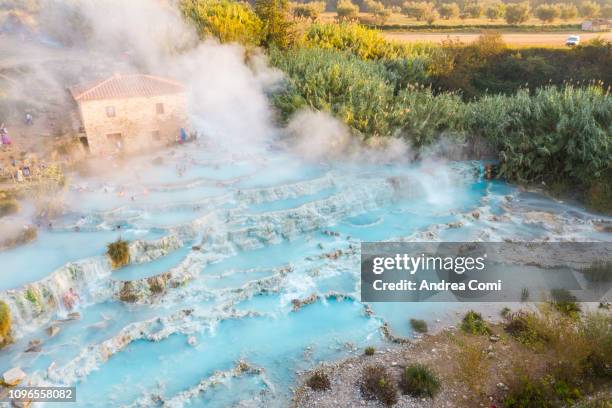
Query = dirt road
x=512 y=39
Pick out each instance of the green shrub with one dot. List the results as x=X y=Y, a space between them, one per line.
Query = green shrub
x=473 y=323
x=528 y=393
x=228 y=21
x=597 y=329
x=363 y=42
x=449 y=10
x=278 y=30
x=376 y=383
x=547 y=12
x=552 y=134
x=5 y=324
x=419 y=326
x=419 y=381
x=363 y=95
x=310 y=10
x=346 y=10
x=119 y=253
x=319 y=381
x=517 y=13
x=598 y=273
x=495 y=11
x=565 y=302
x=369 y=351
x=588 y=9
x=568 y=11
x=474 y=10
x=526 y=328
x=505 y=312
x=419 y=9
x=357 y=92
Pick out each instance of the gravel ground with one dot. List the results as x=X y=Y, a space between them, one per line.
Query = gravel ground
x=437 y=351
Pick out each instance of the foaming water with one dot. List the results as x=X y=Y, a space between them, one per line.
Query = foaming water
x=256 y=262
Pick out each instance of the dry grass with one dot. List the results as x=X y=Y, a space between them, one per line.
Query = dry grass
x=473 y=366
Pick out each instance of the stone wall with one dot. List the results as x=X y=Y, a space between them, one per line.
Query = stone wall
x=136 y=119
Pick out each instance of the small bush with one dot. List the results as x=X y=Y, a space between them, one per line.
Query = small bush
x=597 y=329
x=228 y=21
x=119 y=253
x=473 y=324
x=419 y=326
x=369 y=351
x=505 y=312
x=127 y=293
x=527 y=393
x=319 y=381
x=565 y=302
x=5 y=324
x=377 y=384
x=419 y=381
x=526 y=329
x=346 y=10
x=156 y=285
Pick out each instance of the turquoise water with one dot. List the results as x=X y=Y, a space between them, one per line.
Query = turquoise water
x=265 y=229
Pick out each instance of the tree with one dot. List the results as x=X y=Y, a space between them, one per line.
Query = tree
x=378 y=10
x=449 y=10
x=494 y=11
x=277 y=28
x=606 y=11
x=228 y=21
x=517 y=13
x=588 y=9
x=474 y=10
x=310 y=10
x=419 y=10
x=430 y=16
x=547 y=12
x=373 y=6
x=568 y=11
x=346 y=10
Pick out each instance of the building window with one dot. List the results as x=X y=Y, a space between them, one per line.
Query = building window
x=115 y=139
x=110 y=111
x=155 y=135
x=159 y=108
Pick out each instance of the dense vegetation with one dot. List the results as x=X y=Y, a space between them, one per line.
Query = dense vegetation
x=578 y=350
x=547 y=112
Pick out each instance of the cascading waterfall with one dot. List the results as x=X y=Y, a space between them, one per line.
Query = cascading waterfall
x=242 y=272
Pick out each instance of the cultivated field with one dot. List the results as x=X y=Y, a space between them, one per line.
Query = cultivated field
x=512 y=39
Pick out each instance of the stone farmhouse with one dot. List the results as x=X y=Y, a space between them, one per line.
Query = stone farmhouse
x=131 y=113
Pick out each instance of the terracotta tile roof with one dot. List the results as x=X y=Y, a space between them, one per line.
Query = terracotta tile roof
x=126 y=86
